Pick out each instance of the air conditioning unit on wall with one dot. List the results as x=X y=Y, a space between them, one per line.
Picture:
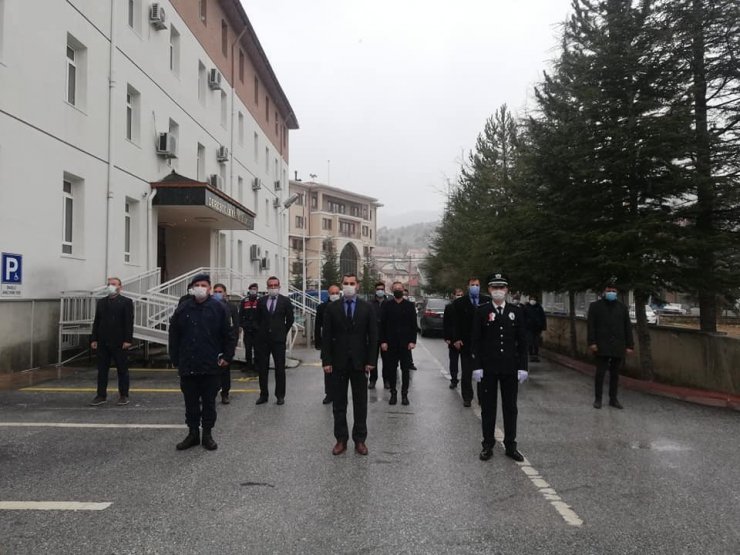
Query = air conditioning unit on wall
x=214 y=79
x=255 y=253
x=167 y=145
x=256 y=184
x=222 y=155
x=278 y=185
x=216 y=181
x=157 y=17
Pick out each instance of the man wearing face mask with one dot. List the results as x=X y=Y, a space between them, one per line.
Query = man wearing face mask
x=112 y=336
x=500 y=356
x=377 y=303
x=463 y=310
x=447 y=333
x=609 y=338
x=247 y=311
x=334 y=296
x=202 y=343
x=219 y=293
x=273 y=319
x=536 y=321
x=349 y=353
x=398 y=339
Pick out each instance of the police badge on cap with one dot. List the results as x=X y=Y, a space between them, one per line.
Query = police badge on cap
x=498 y=279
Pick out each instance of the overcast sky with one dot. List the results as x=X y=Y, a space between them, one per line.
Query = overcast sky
x=394 y=91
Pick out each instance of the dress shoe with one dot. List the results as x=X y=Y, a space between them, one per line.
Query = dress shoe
x=326 y=400
x=404 y=399
x=280 y=401
x=616 y=404
x=208 y=442
x=412 y=367
x=514 y=454
x=467 y=404
x=192 y=439
x=225 y=399
x=597 y=404
x=339 y=448
x=393 y=400
x=453 y=384
x=361 y=448
x=97 y=401
x=261 y=401
x=486 y=454
x=386 y=385
x=371 y=385
x=122 y=400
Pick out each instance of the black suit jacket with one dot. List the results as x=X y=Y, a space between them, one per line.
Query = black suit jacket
x=499 y=342
x=274 y=326
x=318 y=324
x=114 y=321
x=447 y=323
x=462 y=320
x=349 y=345
x=398 y=324
x=609 y=328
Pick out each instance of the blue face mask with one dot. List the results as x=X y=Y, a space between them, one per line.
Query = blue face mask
x=474 y=290
x=218 y=296
x=610 y=295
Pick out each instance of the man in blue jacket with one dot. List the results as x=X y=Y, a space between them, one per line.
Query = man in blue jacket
x=202 y=343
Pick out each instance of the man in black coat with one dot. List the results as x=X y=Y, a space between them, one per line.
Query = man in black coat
x=463 y=310
x=349 y=352
x=273 y=319
x=448 y=335
x=609 y=338
x=201 y=344
x=333 y=291
x=499 y=344
x=247 y=310
x=112 y=336
x=536 y=323
x=219 y=293
x=397 y=340
x=377 y=303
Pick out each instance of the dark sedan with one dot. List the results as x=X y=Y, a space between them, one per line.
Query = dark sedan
x=430 y=316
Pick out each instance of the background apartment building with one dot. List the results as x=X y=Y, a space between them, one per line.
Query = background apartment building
x=324 y=214
x=134 y=135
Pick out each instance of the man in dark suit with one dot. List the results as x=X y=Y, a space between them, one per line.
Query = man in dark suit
x=609 y=338
x=220 y=294
x=333 y=291
x=499 y=345
x=447 y=334
x=377 y=302
x=349 y=353
x=273 y=320
x=112 y=336
x=536 y=323
x=463 y=310
x=398 y=339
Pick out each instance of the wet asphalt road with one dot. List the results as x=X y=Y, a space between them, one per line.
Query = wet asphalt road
x=661 y=476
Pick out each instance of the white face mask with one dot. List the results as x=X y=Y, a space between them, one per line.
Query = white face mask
x=498 y=294
x=112 y=289
x=515 y=301
x=349 y=290
x=252 y=291
x=334 y=297
x=274 y=291
x=200 y=292
x=532 y=302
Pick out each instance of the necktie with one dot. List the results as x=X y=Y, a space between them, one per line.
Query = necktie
x=500 y=310
x=475 y=301
x=349 y=309
x=272 y=306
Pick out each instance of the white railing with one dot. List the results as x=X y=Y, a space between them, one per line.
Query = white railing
x=236 y=283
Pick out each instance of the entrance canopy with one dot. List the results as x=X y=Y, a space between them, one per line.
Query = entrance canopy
x=187 y=203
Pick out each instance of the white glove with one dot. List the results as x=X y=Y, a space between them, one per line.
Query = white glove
x=478 y=375
x=522 y=376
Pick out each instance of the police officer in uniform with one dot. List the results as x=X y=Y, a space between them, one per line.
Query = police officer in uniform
x=247 y=311
x=499 y=345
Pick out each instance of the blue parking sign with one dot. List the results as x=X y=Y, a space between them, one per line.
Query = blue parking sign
x=12 y=268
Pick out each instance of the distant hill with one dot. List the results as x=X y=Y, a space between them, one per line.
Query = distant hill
x=392 y=221
x=407 y=237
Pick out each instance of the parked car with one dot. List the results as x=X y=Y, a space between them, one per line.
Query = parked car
x=430 y=316
x=672 y=308
x=652 y=318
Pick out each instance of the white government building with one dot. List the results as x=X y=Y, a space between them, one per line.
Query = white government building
x=137 y=139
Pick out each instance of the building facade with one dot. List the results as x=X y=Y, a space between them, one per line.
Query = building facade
x=137 y=135
x=322 y=215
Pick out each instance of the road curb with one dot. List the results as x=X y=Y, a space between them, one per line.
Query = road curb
x=690 y=395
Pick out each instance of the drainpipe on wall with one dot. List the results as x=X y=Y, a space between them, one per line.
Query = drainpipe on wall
x=111 y=87
x=149 y=202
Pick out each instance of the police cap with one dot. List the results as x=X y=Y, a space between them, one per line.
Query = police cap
x=497 y=279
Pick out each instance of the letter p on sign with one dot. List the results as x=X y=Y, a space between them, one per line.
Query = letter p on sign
x=12 y=265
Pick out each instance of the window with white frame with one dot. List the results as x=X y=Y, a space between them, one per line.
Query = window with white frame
x=267 y=212
x=256 y=148
x=71 y=75
x=299 y=222
x=224 y=108
x=267 y=159
x=241 y=65
x=240 y=189
x=201 y=163
x=240 y=120
x=222 y=173
x=133 y=15
x=202 y=83
x=133 y=111
x=240 y=255
x=76 y=73
x=127 y=232
x=72 y=215
x=174 y=50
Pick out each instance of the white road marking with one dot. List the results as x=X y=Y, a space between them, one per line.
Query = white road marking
x=550 y=495
x=85 y=425
x=52 y=506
